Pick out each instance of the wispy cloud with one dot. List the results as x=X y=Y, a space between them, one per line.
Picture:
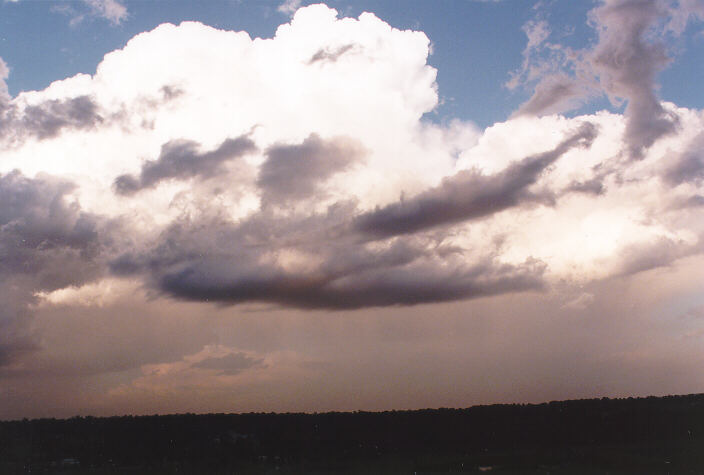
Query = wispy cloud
x=623 y=64
x=289 y=7
x=113 y=11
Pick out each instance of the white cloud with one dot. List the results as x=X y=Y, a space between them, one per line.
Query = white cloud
x=373 y=94
x=95 y=294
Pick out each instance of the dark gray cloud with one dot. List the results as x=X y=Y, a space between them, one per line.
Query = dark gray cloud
x=631 y=50
x=230 y=263
x=181 y=159
x=14 y=346
x=553 y=94
x=658 y=253
x=42 y=235
x=688 y=167
x=206 y=280
x=16 y=335
x=231 y=364
x=170 y=92
x=694 y=201
x=627 y=62
x=593 y=186
x=46 y=243
x=326 y=260
x=331 y=55
x=469 y=194
x=293 y=172
x=47 y=119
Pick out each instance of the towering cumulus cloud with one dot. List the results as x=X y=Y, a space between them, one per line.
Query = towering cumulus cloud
x=210 y=214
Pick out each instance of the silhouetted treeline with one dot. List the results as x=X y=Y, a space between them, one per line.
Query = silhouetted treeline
x=643 y=435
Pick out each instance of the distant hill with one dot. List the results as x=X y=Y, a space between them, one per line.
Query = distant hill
x=633 y=435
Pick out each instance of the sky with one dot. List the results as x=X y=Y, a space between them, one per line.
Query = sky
x=234 y=206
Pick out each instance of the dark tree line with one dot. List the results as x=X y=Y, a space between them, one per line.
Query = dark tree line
x=643 y=435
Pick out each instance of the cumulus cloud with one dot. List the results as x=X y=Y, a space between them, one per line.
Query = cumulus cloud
x=222 y=183
x=312 y=218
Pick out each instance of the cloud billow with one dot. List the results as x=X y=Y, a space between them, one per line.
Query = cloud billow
x=468 y=194
x=688 y=167
x=180 y=159
x=314 y=262
x=294 y=172
x=47 y=119
x=205 y=280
